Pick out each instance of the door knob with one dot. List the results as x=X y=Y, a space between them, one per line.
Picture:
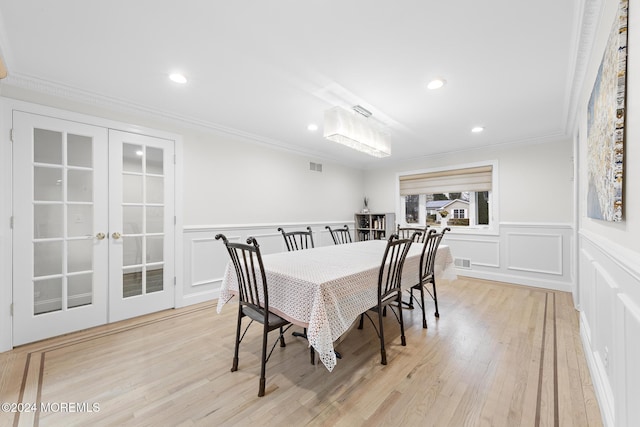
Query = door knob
x=116 y=235
x=100 y=236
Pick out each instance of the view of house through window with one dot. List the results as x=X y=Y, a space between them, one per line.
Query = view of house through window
x=457 y=197
x=468 y=208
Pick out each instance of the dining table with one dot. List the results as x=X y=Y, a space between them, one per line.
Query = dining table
x=325 y=289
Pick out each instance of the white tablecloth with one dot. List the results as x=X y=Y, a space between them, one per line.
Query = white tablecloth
x=325 y=289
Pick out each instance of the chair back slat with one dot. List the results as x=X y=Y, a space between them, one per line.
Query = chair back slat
x=252 y=282
x=408 y=232
x=297 y=240
x=429 y=249
x=389 y=279
x=340 y=235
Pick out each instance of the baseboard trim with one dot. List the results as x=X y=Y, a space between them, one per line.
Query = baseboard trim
x=198 y=297
x=517 y=280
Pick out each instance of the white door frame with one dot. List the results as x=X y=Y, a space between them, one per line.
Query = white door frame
x=7 y=106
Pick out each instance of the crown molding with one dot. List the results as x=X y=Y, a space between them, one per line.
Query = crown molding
x=587 y=26
x=73 y=94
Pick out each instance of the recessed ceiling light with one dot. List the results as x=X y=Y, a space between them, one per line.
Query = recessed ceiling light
x=178 y=78
x=436 y=84
x=477 y=129
x=312 y=127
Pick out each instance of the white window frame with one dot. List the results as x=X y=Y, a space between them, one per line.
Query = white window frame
x=494 y=204
x=464 y=213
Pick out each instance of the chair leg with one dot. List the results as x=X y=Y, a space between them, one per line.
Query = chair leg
x=312 y=355
x=424 y=316
x=234 y=366
x=282 y=343
x=411 y=298
x=383 y=353
x=263 y=363
x=435 y=297
x=361 y=321
x=402 y=337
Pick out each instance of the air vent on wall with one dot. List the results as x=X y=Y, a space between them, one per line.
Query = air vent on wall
x=462 y=263
x=315 y=166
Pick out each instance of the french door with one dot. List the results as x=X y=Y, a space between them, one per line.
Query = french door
x=141 y=220
x=93 y=226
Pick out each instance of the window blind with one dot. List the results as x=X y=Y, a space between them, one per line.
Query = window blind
x=449 y=181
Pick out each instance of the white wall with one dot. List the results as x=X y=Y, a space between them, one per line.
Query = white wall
x=609 y=253
x=229 y=181
x=533 y=243
x=539 y=175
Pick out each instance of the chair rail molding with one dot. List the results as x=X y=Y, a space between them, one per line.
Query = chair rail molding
x=206 y=259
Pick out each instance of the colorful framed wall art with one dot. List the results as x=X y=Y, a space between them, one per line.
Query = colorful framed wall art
x=606 y=126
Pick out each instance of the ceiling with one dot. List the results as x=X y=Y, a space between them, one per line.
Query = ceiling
x=267 y=69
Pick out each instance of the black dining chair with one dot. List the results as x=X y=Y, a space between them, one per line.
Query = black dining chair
x=427 y=272
x=417 y=234
x=252 y=283
x=390 y=288
x=297 y=240
x=340 y=235
x=420 y=233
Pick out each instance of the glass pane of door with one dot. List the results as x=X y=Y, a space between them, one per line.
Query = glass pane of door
x=141 y=224
x=142 y=219
x=62 y=221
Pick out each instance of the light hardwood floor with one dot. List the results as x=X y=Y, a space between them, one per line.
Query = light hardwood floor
x=500 y=355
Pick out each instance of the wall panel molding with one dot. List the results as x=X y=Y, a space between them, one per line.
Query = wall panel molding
x=626 y=377
x=622 y=258
x=531 y=254
x=609 y=289
x=482 y=253
x=535 y=252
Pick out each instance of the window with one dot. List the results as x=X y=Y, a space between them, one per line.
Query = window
x=461 y=195
x=412 y=204
x=460 y=213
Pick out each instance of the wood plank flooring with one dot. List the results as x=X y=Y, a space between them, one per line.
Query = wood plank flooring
x=499 y=355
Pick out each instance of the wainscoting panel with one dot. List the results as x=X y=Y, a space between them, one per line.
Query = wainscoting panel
x=629 y=373
x=609 y=295
x=536 y=253
x=605 y=297
x=587 y=290
x=531 y=254
x=205 y=258
x=202 y=265
x=482 y=253
x=270 y=242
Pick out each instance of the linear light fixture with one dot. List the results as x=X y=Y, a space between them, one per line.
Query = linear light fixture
x=356 y=131
x=361 y=110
